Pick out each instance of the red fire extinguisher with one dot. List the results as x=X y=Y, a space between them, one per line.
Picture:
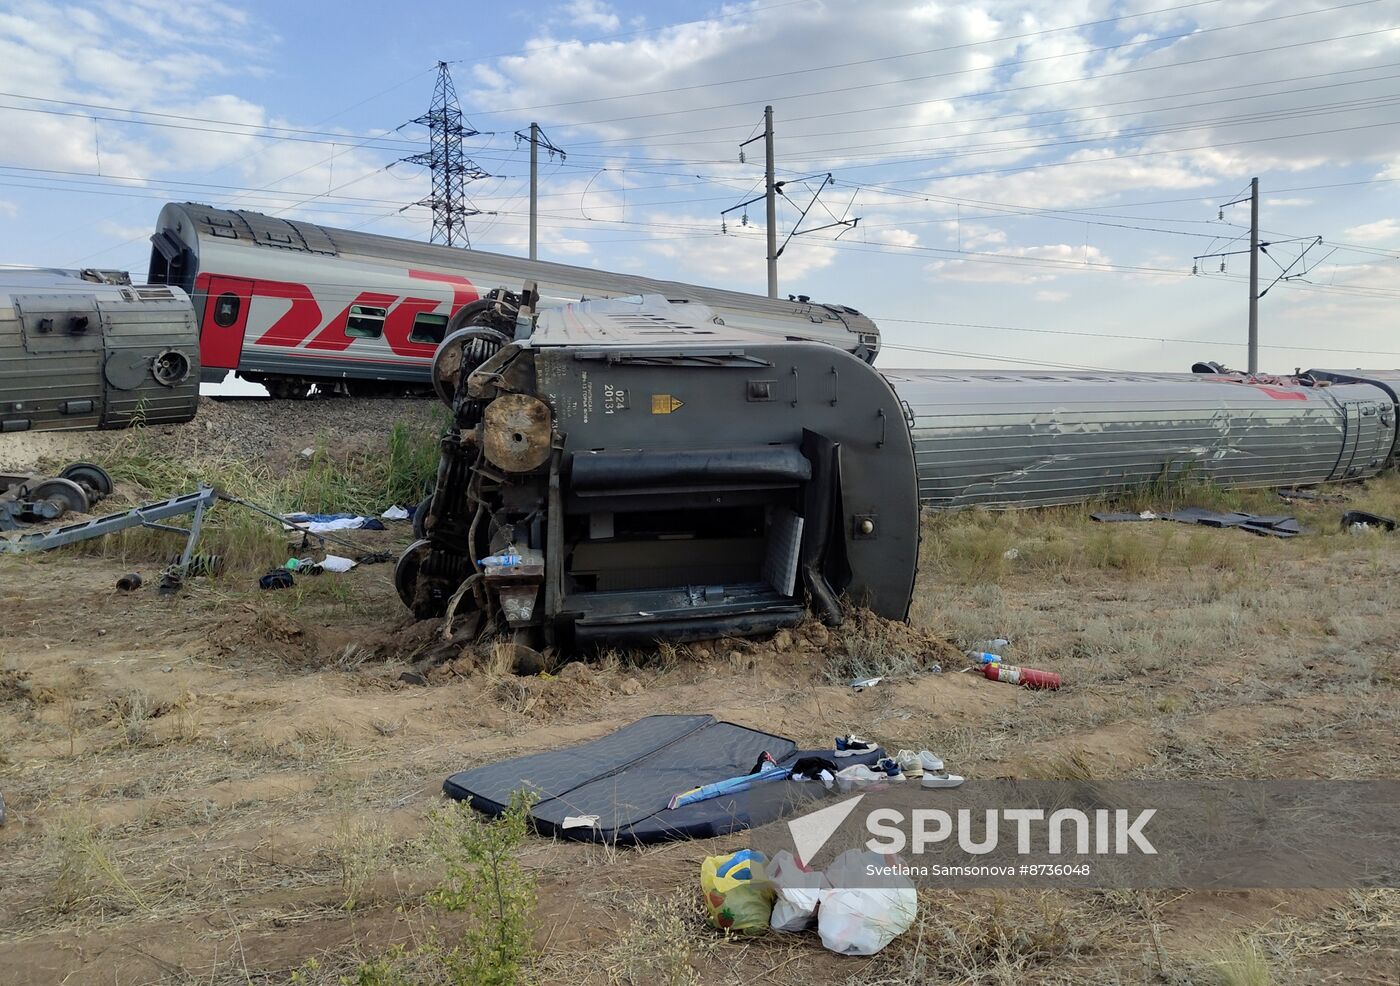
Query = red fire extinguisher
x=1025 y=677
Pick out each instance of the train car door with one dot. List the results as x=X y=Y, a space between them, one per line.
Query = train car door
x=224 y=322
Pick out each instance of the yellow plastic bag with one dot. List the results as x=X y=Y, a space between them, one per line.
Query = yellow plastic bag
x=737 y=893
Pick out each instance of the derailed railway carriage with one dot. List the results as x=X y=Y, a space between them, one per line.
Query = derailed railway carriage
x=627 y=471
x=292 y=305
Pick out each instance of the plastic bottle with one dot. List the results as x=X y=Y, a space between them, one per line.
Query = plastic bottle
x=1025 y=677
x=984 y=657
x=991 y=645
x=501 y=561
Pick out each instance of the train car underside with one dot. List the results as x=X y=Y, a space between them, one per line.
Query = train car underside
x=620 y=473
x=601 y=486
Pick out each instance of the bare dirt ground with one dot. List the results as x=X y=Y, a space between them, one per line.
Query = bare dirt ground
x=220 y=786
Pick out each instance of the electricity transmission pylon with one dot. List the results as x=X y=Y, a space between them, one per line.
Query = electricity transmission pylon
x=447 y=160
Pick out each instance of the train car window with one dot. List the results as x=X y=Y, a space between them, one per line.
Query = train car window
x=364 y=322
x=226 y=309
x=428 y=327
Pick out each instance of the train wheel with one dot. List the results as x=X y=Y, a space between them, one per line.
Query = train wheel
x=420 y=517
x=73 y=497
x=287 y=390
x=92 y=477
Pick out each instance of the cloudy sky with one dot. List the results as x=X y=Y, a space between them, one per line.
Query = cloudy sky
x=1032 y=179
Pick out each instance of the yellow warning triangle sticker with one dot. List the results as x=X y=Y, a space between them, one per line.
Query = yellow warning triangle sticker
x=665 y=404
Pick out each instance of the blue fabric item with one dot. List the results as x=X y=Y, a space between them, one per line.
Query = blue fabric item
x=627 y=777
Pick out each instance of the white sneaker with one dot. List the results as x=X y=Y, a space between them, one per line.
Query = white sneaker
x=930 y=762
x=909 y=762
x=941 y=780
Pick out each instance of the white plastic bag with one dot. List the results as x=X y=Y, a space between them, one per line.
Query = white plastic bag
x=797 y=892
x=866 y=905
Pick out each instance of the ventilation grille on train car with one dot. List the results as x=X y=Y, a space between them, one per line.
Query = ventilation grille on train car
x=269 y=231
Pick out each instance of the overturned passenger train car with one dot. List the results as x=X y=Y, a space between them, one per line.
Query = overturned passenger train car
x=625 y=471
x=291 y=304
x=82 y=349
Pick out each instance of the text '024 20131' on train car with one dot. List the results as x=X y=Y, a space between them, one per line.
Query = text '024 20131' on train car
x=290 y=304
x=82 y=349
x=625 y=471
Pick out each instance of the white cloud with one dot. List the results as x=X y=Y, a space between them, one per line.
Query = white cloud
x=1052 y=297
x=1380 y=231
x=592 y=13
x=1019 y=265
x=894 y=237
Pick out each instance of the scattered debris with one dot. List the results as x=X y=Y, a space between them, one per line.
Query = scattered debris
x=738 y=895
x=395 y=512
x=1025 y=677
x=337 y=564
x=278 y=578
x=27 y=498
x=329 y=523
x=995 y=644
x=129 y=582
x=861 y=684
x=1011 y=554
x=858 y=915
x=1123 y=518
x=1312 y=496
x=1273 y=526
x=1357 y=521
x=797 y=891
x=765 y=770
x=628 y=777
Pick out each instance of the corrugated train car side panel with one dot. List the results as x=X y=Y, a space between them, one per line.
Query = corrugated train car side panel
x=1039 y=439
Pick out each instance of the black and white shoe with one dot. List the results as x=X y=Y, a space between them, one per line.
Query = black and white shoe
x=853 y=746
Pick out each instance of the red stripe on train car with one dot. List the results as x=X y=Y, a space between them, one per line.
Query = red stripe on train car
x=298 y=322
x=333 y=336
x=463 y=290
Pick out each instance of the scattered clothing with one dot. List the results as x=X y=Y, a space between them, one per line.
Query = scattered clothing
x=395 y=512
x=327 y=523
x=278 y=578
x=335 y=563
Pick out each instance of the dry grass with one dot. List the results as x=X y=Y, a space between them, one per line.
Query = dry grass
x=1242 y=963
x=277 y=805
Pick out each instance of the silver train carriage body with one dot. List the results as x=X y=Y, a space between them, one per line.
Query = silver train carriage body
x=1035 y=438
x=84 y=349
x=291 y=303
x=627 y=470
